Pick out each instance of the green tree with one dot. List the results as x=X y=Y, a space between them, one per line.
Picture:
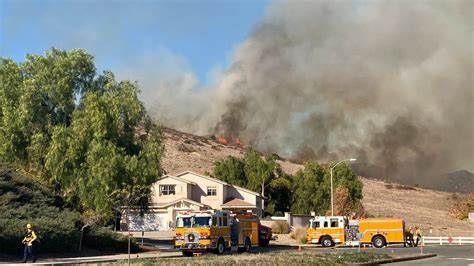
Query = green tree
x=37 y=95
x=87 y=134
x=231 y=170
x=279 y=195
x=312 y=188
x=343 y=176
x=257 y=174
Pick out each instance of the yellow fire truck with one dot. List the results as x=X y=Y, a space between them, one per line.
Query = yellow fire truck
x=331 y=230
x=215 y=231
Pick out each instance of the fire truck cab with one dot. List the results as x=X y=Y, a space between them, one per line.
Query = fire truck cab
x=215 y=231
x=327 y=230
x=331 y=230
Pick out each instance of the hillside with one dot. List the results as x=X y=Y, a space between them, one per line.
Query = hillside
x=462 y=180
x=424 y=207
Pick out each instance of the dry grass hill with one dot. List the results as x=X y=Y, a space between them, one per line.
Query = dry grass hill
x=424 y=207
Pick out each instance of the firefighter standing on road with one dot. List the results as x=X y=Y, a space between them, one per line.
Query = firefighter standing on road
x=410 y=234
x=30 y=237
x=418 y=234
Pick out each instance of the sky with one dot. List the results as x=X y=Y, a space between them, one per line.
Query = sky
x=198 y=36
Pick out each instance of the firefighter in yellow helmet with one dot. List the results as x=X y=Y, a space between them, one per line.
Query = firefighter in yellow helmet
x=418 y=234
x=30 y=237
x=410 y=234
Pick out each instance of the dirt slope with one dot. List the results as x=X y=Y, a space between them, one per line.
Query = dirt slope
x=424 y=207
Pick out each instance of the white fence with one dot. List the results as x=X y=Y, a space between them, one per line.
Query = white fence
x=446 y=240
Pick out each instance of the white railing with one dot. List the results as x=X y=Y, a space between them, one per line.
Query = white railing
x=445 y=240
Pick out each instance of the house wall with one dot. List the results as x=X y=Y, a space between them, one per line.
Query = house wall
x=181 y=190
x=233 y=192
x=199 y=191
x=190 y=191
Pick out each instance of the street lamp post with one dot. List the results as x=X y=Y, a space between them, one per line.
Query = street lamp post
x=332 y=192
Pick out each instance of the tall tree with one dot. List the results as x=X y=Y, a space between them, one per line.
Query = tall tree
x=258 y=171
x=87 y=134
x=259 y=174
x=311 y=189
x=37 y=95
x=231 y=170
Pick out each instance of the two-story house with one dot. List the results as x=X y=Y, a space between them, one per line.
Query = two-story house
x=188 y=191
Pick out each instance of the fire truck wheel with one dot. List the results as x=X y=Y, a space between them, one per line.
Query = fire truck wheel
x=220 y=247
x=247 y=245
x=327 y=242
x=378 y=241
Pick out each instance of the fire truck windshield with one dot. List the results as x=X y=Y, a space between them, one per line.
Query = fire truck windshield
x=193 y=221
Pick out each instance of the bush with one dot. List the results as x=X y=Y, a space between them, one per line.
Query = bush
x=103 y=238
x=24 y=200
x=462 y=206
x=303 y=240
x=280 y=227
x=298 y=234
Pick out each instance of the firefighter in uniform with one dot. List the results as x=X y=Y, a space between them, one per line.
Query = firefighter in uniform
x=30 y=237
x=419 y=235
x=410 y=234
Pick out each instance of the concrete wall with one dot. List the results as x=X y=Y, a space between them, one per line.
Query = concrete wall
x=294 y=220
x=300 y=220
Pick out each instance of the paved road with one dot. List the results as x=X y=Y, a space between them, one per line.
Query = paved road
x=447 y=255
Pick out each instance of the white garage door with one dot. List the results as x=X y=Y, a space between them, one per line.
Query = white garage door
x=149 y=222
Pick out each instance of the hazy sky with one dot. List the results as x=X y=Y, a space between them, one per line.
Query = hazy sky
x=197 y=35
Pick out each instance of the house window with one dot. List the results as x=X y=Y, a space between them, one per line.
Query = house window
x=212 y=191
x=167 y=190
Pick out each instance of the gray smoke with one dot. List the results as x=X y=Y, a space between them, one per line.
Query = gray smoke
x=387 y=82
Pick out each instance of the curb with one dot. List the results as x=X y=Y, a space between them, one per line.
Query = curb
x=88 y=261
x=418 y=257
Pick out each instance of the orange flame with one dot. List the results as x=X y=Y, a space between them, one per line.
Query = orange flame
x=222 y=140
x=238 y=142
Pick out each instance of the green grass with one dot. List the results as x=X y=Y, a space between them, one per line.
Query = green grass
x=274 y=258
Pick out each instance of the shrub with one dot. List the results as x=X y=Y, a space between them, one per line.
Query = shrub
x=280 y=227
x=462 y=206
x=24 y=200
x=303 y=240
x=298 y=234
x=103 y=238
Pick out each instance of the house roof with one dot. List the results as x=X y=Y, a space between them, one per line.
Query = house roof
x=220 y=182
x=178 y=200
x=177 y=178
x=237 y=203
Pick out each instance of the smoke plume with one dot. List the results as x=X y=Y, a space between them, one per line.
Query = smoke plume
x=387 y=82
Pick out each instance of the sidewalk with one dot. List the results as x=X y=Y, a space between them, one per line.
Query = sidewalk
x=99 y=259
